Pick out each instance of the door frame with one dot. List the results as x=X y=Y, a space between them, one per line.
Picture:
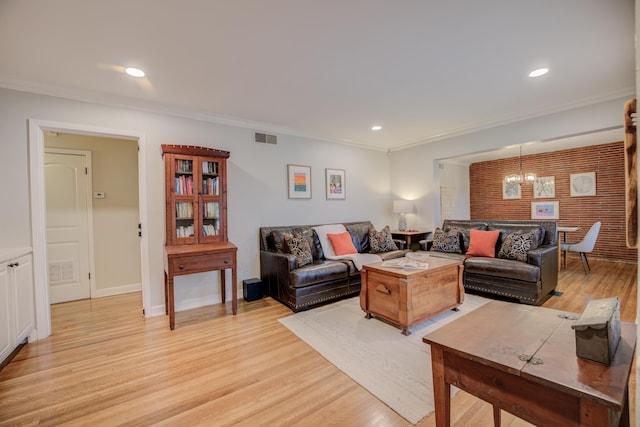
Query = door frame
x=89 y=189
x=37 y=128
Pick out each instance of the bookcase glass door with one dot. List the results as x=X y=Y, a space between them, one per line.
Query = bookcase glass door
x=210 y=179
x=210 y=218
x=185 y=223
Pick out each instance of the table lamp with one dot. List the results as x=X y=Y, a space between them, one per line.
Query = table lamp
x=402 y=207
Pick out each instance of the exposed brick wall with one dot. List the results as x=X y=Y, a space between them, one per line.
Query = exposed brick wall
x=607 y=206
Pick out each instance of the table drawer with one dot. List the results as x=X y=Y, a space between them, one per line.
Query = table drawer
x=383 y=294
x=199 y=263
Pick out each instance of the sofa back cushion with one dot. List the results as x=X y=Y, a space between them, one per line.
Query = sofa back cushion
x=524 y=227
x=360 y=235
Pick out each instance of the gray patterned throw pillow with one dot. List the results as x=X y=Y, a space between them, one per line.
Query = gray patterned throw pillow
x=381 y=241
x=446 y=241
x=516 y=245
x=299 y=248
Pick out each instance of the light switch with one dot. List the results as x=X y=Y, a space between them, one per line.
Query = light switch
x=99 y=195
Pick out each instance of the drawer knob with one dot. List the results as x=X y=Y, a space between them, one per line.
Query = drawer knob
x=181 y=266
x=226 y=261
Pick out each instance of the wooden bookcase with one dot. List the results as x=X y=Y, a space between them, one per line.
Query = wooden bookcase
x=196 y=218
x=196 y=194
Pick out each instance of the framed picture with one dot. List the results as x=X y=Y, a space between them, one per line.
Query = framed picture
x=511 y=190
x=299 y=181
x=545 y=210
x=335 y=183
x=583 y=184
x=544 y=187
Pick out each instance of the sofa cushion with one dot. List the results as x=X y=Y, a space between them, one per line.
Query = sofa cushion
x=483 y=243
x=342 y=243
x=505 y=268
x=278 y=238
x=516 y=245
x=381 y=241
x=298 y=246
x=444 y=241
x=318 y=272
x=360 y=236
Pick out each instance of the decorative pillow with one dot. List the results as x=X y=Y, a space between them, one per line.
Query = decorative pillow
x=299 y=248
x=321 y=232
x=516 y=245
x=381 y=241
x=342 y=243
x=483 y=243
x=446 y=241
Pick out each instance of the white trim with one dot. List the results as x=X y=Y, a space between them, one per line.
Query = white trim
x=38 y=211
x=89 y=164
x=116 y=290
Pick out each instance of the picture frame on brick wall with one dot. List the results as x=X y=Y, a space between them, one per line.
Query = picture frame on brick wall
x=545 y=210
x=511 y=190
x=583 y=184
x=544 y=187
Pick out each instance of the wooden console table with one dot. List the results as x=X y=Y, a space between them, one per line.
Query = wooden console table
x=522 y=359
x=189 y=259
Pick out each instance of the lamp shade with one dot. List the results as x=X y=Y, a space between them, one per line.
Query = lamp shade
x=402 y=206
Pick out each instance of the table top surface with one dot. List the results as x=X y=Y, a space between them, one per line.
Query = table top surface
x=541 y=333
x=565 y=228
x=200 y=248
x=435 y=264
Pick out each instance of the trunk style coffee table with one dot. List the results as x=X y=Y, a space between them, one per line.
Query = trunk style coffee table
x=522 y=359
x=406 y=296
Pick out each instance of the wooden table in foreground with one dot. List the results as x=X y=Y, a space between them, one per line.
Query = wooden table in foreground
x=522 y=359
x=408 y=296
x=189 y=259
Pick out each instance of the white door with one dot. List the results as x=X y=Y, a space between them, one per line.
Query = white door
x=67 y=184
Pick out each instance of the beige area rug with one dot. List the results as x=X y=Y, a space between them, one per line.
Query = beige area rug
x=393 y=367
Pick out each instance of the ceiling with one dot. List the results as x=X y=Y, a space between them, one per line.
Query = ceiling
x=422 y=69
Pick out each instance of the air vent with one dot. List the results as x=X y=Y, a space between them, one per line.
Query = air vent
x=266 y=139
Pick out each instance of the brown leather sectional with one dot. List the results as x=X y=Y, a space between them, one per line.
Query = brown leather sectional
x=529 y=282
x=300 y=288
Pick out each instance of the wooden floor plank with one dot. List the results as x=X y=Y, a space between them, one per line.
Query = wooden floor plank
x=105 y=364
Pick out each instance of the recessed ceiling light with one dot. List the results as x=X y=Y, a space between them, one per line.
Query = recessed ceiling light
x=376 y=128
x=134 y=72
x=539 y=72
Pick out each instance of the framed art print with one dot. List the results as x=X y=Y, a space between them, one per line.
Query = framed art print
x=299 y=180
x=511 y=190
x=335 y=182
x=544 y=187
x=583 y=184
x=545 y=210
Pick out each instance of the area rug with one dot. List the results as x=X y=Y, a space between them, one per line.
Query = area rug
x=393 y=367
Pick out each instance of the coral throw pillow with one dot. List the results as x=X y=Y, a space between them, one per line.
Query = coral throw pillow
x=342 y=243
x=483 y=243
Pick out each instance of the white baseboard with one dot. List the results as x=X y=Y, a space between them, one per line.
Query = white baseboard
x=117 y=290
x=159 y=310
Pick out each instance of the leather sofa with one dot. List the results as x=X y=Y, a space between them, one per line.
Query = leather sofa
x=529 y=282
x=322 y=281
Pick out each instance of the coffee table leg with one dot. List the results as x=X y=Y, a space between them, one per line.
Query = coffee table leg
x=441 y=390
x=497 y=421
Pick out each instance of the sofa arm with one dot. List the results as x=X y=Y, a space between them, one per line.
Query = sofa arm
x=275 y=268
x=546 y=257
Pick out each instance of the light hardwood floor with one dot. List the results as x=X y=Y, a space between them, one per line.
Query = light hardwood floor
x=105 y=364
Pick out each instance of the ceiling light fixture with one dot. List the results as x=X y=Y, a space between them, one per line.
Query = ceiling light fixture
x=134 y=72
x=376 y=128
x=519 y=178
x=539 y=72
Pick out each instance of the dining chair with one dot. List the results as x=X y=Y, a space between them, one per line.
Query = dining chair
x=584 y=246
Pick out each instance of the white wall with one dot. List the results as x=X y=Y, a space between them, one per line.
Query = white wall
x=414 y=171
x=257 y=181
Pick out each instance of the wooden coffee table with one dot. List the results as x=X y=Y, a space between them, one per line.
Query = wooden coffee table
x=522 y=359
x=408 y=296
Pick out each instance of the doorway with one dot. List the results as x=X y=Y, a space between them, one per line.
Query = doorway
x=37 y=129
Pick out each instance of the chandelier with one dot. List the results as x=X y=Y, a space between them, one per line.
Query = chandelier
x=519 y=178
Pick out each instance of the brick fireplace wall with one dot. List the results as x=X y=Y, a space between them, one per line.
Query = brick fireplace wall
x=607 y=206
